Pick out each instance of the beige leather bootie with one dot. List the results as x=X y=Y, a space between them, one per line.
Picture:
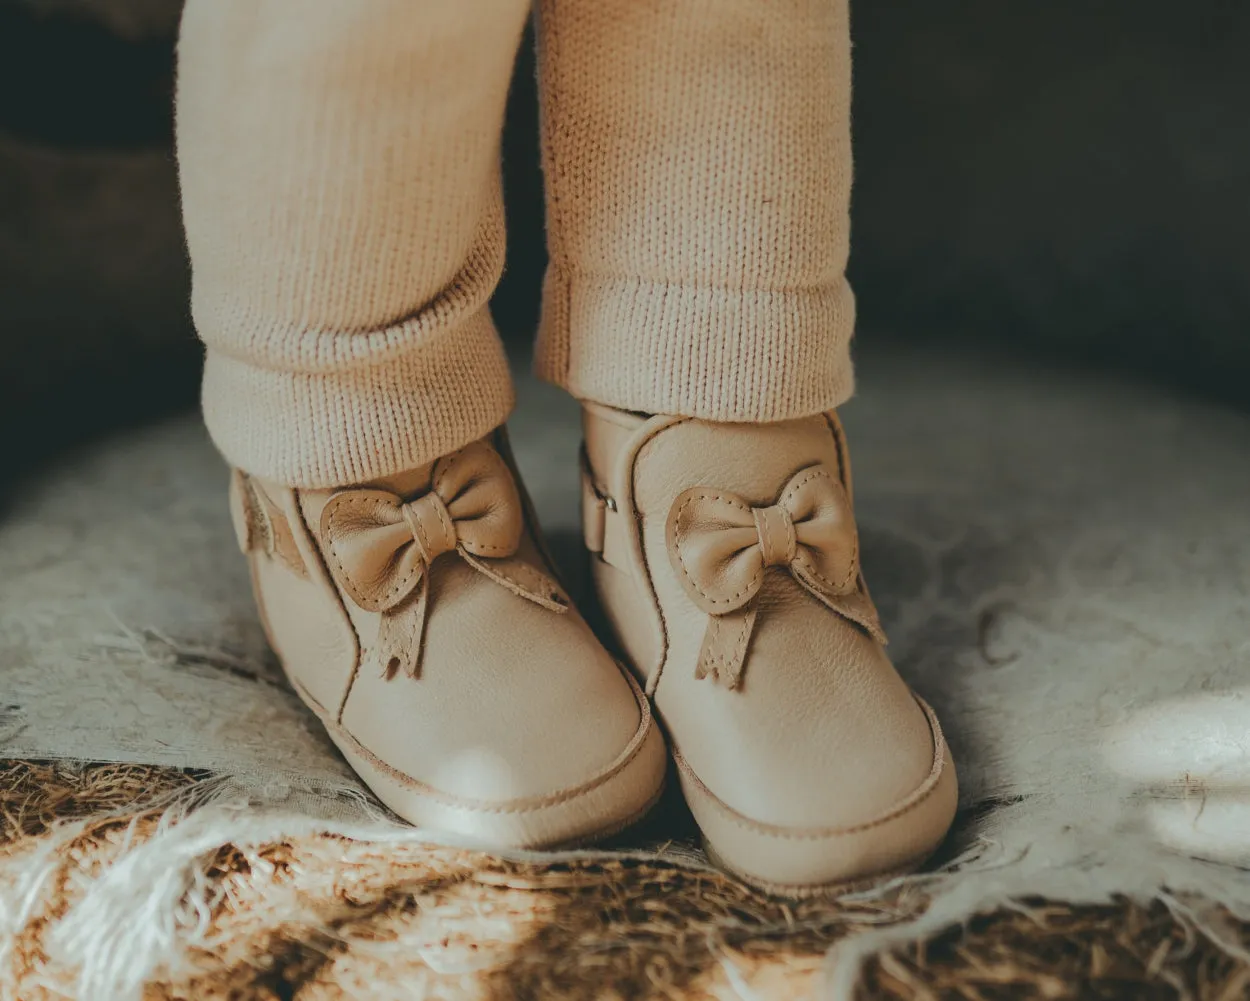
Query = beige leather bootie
x=726 y=560
x=420 y=620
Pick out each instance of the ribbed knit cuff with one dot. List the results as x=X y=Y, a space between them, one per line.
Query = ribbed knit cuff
x=715 y=353
x=357 y=423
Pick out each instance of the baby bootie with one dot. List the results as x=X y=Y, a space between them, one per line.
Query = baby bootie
x=420 y=620
x=727 y=562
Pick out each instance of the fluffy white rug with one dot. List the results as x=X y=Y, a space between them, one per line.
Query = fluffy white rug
x=1063 y=564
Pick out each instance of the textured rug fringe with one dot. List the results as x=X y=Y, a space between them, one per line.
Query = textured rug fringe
x=149 y=911
x=994 y=876
x=150 y=900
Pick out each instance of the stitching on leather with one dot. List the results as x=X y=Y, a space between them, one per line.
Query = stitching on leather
x=444 y=466
x=740 y=644
x=800 y=555
x=809 y=567
x=614 y=768
x=912 y=801
x=709 y=663
x=722 y=664
x=416 y=524
x=537 y=581
x=400 y=638
x=834 y=426
x=718 y=662
x=346 y=500
x=448 y=463
x=444 y=518
x=762 y=517
x=814 y=472
x=494 y=549
x=677 y=534
x=451 y=462
x=307 y=539
x=792 y=535
x=639 y=550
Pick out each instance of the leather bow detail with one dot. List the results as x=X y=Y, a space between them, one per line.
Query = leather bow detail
x=381 y=548
x=721 y=547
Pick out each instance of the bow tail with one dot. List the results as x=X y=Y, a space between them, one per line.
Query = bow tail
x=401 y=635
x=725 y=644
x=521 y=579
x=854 y=604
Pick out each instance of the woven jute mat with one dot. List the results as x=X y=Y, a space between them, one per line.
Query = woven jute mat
x=327 y=917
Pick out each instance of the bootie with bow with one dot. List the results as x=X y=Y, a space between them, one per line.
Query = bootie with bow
x=726 y=560
x=420 y=620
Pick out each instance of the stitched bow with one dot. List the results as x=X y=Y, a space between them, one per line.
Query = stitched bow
x=381 y=548
x=721 y=547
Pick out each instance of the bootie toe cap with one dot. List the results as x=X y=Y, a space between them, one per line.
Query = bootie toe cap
x=804 y=860
x=599 y=803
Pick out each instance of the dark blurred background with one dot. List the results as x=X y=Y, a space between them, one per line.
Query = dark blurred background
x=1070 y=181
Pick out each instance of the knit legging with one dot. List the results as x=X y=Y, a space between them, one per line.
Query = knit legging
x=341 y=189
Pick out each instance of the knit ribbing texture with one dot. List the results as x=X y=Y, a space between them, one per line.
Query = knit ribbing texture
x=698 y=169
x=341 y=191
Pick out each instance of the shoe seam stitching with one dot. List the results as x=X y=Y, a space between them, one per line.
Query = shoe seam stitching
x=912 y=801
x=527 y=805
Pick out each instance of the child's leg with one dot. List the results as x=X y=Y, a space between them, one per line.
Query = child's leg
x=698 y=167
x=698 y=171
x=340 y=181
x=340 y=163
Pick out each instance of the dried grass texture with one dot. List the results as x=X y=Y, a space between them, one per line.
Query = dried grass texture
x=1055 y=951
x=34 y=795
x=326 y=917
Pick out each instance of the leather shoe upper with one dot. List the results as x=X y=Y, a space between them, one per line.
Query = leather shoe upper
x=419 y=618
x=728 y=565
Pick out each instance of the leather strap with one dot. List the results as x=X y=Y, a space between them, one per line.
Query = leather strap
x=260 y=524
x=603 y=524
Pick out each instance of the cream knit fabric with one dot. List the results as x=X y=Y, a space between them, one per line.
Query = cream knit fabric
x=341 y=191
x=698 y=165
x=340 y=179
